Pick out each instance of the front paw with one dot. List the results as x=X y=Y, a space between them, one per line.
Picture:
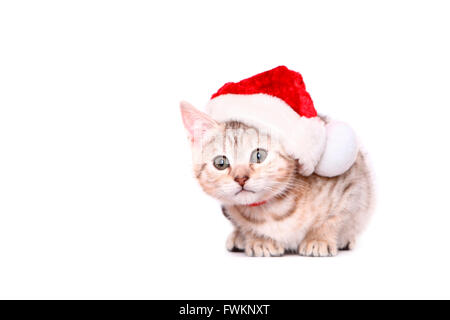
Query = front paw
x=317 y=248
x=263 y=248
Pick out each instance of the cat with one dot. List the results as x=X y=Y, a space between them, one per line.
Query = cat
x=274 y=209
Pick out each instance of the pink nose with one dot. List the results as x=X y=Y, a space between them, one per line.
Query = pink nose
x=241 y=180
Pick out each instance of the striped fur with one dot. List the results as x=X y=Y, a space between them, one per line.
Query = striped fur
x=313 y=216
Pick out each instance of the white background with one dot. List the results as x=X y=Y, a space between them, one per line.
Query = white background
x=97 y=197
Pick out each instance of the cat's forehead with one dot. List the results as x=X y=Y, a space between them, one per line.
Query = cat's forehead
x=244 y=136
x=238 y=138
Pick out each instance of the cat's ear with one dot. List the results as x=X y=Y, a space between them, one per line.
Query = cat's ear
x=195 y=121
x=340 y=151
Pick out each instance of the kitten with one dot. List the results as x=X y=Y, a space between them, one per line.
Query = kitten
x=273 y=208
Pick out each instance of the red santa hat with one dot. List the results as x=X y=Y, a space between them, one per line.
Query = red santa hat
x=277 y=101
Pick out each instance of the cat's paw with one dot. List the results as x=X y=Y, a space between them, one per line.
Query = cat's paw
x=349 y=245
x=235 y=242
x=263 y=248
x=317 y=248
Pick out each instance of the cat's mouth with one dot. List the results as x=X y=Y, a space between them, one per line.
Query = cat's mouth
x=244 y=190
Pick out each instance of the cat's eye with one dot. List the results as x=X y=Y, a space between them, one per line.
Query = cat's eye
x=221 y=162
x=258 y=155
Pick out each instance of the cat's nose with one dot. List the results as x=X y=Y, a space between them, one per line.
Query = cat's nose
x=241 y=180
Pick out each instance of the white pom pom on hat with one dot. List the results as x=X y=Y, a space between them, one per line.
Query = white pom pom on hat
x=277 y=100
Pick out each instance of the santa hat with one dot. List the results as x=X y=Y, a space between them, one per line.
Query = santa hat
x=277 y=101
